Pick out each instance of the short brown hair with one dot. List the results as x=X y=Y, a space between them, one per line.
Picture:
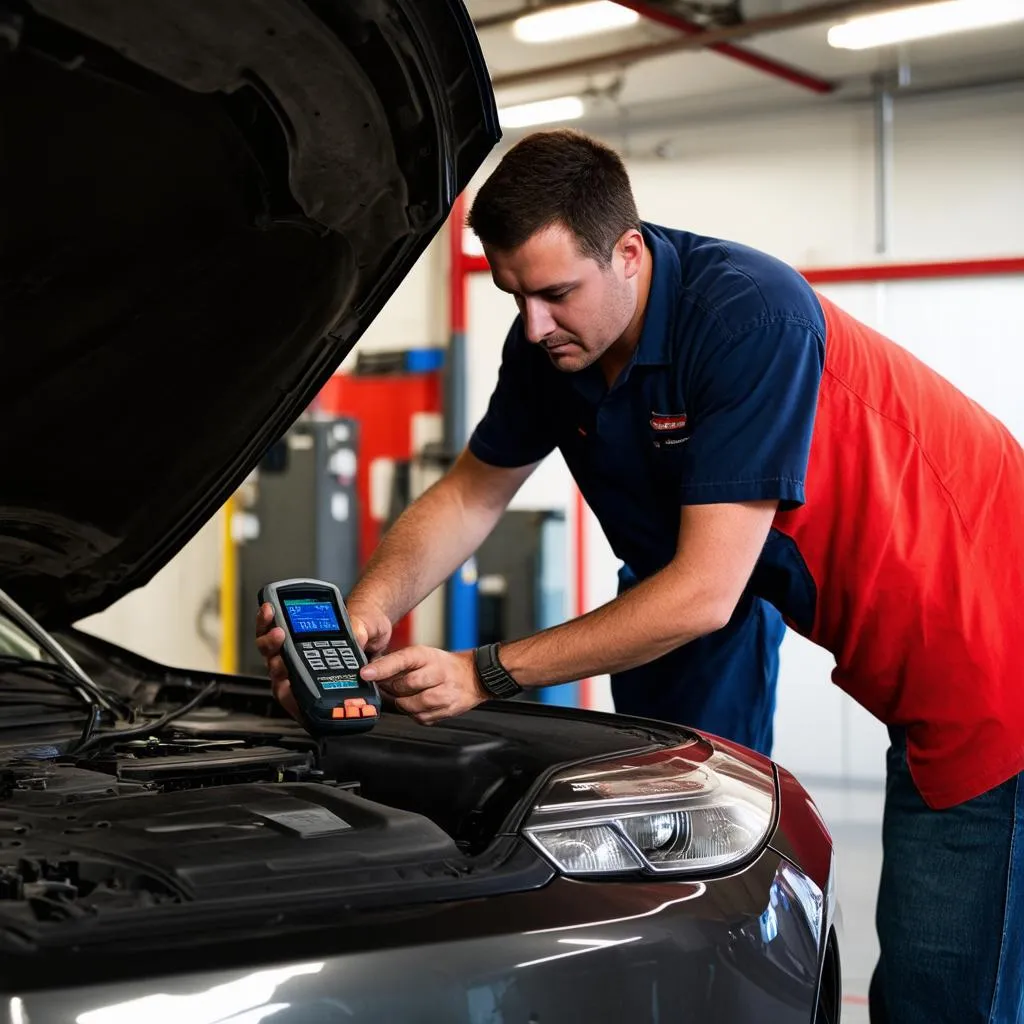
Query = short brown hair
x=557 y=176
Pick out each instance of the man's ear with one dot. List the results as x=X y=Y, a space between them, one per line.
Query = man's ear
x=630 y=249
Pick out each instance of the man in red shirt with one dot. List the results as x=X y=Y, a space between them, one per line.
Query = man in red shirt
x=742 y=439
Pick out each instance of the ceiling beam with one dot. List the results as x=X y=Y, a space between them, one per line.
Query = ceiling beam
x=768 y=65
x=667 y=16
x=810 y=15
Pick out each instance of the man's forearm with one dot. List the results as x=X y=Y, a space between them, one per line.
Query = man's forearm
x=651 y=619
x=424 y=546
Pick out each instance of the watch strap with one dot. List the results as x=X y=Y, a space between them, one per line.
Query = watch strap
x=496 y=681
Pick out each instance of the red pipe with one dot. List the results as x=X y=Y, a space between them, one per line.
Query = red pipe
x=460 y=266
x=870 y=271
x=786 y=72
x=915 y=271
x=472 y=264
x=768 y=65
x=586 y=691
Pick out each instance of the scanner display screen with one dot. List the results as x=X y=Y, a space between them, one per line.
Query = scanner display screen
x=309 y=615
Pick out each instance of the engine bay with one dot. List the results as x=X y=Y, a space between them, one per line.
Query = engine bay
x=139 y=801
x=232 y=808
x=162 y=822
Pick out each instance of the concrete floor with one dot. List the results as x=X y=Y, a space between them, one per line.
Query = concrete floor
x=854 y=816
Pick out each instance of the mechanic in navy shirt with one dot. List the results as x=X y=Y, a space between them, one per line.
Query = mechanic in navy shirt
x=622 y=426
x=743 y=441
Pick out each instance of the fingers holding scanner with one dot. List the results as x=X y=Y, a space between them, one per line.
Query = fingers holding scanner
x=269 y=641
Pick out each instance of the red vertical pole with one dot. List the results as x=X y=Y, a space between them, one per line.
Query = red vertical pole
x=461 y=602
x=457 y=270
x=586 y=688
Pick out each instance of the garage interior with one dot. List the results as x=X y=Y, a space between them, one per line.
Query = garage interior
x=891 y=175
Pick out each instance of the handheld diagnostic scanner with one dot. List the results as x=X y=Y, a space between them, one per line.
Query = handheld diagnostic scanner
x=323 y=657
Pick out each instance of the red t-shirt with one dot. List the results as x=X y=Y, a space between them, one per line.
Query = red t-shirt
x=912 y=532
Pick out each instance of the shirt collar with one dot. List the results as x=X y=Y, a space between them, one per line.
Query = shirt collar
x=655 y=345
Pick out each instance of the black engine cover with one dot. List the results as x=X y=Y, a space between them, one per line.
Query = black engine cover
x=219 y=843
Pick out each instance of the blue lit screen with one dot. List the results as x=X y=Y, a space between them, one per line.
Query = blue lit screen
x=307 y=615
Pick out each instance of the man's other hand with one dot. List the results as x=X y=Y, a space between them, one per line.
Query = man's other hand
x=371 y=627
x=427 y=683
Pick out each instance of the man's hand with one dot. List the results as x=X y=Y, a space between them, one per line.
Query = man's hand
x=372 y=630
x=427 y=683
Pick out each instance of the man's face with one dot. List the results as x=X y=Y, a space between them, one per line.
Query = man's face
x=572 y=306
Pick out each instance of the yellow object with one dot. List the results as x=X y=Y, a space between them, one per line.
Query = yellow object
x=228 y=592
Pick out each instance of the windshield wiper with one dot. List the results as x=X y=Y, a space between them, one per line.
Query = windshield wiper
x=88 y=692
x=92 y=735
x=11 y=700
x=92 y=738
x=64 y=671
x=64 y=667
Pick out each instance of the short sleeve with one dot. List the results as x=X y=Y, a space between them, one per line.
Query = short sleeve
x=752 y=404
x=517 y=429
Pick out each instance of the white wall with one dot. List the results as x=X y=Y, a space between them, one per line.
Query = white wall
x=161 y=620
x=801 y=186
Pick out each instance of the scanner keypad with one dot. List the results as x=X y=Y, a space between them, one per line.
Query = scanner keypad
x=329 y=654
x=341 y=649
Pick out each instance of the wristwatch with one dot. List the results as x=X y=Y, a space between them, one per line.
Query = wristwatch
x=496 y=681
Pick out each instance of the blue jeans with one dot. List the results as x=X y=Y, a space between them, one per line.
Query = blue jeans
x=950 y=912
x=723 y=683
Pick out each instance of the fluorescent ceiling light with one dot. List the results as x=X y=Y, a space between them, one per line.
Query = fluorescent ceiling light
x=522 y=115
x=924 y=22
x=573 y=21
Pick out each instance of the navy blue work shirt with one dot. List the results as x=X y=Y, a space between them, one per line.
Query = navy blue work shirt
x=716 y=405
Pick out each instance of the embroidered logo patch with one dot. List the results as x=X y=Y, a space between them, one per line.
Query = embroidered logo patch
x=661 y=421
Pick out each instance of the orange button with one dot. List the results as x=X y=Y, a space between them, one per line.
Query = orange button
x=337 y=712
x=369 y=711
x=355 y=702
x=352 y=712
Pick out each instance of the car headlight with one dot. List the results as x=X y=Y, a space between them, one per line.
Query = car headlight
x=683 y=810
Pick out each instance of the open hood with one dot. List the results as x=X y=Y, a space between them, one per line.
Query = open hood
x=204 y=206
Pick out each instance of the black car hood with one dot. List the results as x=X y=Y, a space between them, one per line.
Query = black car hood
x=204 y=206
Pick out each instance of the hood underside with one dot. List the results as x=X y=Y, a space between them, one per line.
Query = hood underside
x=205 y=205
